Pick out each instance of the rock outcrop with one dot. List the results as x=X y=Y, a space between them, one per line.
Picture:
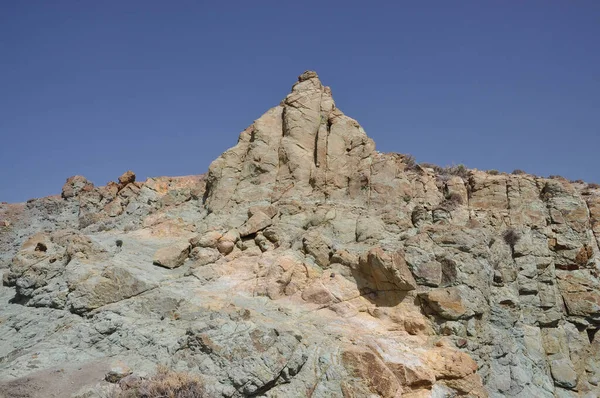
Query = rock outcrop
x=306 y=263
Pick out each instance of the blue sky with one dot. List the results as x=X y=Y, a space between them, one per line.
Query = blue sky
x=164 y=87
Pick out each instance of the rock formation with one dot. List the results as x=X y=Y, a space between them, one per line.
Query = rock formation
x=307 y=264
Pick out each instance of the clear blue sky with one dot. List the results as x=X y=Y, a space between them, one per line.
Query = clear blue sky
x=163 y=87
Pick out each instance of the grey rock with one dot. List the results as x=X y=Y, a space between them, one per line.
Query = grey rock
x=320 y=267
x=563 y=373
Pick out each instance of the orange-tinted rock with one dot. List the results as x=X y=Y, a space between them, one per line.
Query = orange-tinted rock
x=126 y=178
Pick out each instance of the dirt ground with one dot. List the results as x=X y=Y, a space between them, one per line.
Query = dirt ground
x=58 y=382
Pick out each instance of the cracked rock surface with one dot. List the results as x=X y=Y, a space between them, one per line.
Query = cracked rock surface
x=306 y=264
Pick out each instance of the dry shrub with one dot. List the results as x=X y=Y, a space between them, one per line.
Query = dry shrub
x=511 y=237
x=452 y=201
x=519 y=171
x=409 y=161
x=493 y=172
x=165 y=384
x=458 y=170
x=435 y=167
x=557 y=177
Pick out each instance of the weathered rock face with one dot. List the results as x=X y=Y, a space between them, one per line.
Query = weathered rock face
x=310 y=264
x=304 y=148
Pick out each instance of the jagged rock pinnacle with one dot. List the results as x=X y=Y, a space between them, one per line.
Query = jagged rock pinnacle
x=305 y=147
x=309 y=74
x=303 y=254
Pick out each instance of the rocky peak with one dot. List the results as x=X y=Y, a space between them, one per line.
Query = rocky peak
x=308 y=264
x=304 y=148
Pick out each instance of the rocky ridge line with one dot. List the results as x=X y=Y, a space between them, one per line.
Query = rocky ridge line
x=306 y=263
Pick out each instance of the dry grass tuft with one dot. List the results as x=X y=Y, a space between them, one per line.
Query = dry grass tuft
x=164 y=384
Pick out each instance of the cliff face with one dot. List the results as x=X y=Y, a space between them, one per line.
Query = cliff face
x=305 y=263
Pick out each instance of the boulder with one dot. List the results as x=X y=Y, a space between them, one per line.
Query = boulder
x=386 y=271
x=457 y=302
x=126 y=178
x=204 y=255
x=207 y=239
x=257 y=222
x=172 y=256
x=118 y=370
x=226 y=243
x=563 y=373
x=74 y=186
x=318 y=247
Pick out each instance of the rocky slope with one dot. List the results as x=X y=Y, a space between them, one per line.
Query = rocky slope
x=306 y=264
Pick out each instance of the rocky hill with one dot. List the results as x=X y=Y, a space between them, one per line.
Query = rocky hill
x=306 y=264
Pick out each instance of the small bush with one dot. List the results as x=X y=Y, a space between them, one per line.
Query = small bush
x=593 y=185
x=557 y=177
x=409 y=161
x=119 y=242
x=518 y=172
x=435 y=167
x=458 y=170
x=493 y=172
x=511 y=237
x=452 y=201
x=164 y=384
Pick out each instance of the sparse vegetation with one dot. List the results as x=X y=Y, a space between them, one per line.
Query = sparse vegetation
x=511 y=237
x=452 y=201
x=435 y=167
x=493 y=172
x=444 y=173
x=409 y=161
x=518 y=172
x=593 y=185
x=557 y=177
x=164 y=384
x=459 y=170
